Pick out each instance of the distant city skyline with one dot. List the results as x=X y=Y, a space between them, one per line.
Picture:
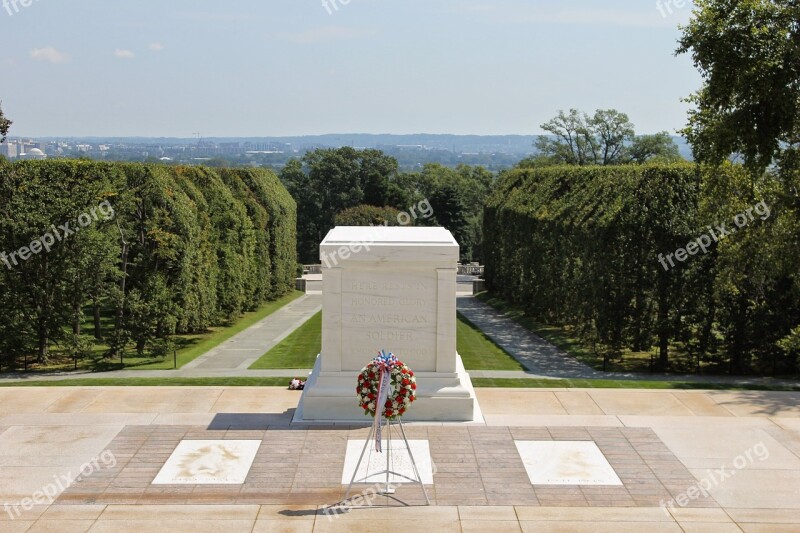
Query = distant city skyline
x=263 y=69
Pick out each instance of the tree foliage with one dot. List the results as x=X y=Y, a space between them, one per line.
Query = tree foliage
x=580 y=247
x=184 y=249
x=331 y=183
x=606 y=138
x=748 y=53
x=5 y=125
x=656 y=148
x=328 y=181
x=369 y=215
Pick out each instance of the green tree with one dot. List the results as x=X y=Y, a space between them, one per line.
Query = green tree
x=5 y=124
x=233 y=237
x=151 y=313
x=309 y=219
x=377 y=171
x=37 y=195
x=578 y=139
x=450 y=211
x=747 y=53
x=606 y=138
x=749 y=108
x=578 y=246
x=328 y=181
x=657 y=148
x=336 y=175
x=457 y=196
x=93 y=266
x=173 y=249
x=368 y=215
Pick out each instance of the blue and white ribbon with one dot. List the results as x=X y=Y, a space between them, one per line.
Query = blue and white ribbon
x=385 y=363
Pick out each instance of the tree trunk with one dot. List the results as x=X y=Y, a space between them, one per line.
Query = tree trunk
x=44 y=342
x=98 y=331
x=120 y=314
x=737 y=347
x=76 y=320
x=639 y=336
x=708 y=325
x=663 y=321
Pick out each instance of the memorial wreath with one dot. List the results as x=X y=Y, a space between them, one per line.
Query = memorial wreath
x=386 y=381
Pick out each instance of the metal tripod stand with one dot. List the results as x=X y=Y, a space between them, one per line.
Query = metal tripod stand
x=388 y=472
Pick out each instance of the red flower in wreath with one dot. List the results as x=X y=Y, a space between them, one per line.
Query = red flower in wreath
x=402 y=389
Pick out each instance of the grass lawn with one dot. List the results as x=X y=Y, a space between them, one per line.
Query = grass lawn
x=300 y=349
x=479 y=352
x=189 y=346
x=478 y=382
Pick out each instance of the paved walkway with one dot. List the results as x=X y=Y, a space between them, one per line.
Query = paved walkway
x=242 y=350
x=536 y=354
x=660 y=443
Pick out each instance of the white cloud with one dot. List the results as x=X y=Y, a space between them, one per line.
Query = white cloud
x=326 y=33
x=155 y=47
x=49 y=54
x=123 y=54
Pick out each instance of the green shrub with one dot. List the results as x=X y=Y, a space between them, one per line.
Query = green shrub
x=186 y=248
x=581 y=246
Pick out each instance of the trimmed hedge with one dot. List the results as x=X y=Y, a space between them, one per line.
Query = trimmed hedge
x=580 y=246
x=202 y=246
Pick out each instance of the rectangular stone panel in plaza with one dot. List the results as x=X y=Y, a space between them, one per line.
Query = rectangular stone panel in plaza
x=393 y=289
x=372 y=467
x=566 y=463
x=209 y=462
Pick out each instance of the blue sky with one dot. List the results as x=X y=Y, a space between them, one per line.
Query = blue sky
x=289 y=67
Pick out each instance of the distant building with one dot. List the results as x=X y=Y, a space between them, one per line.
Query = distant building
x=33 y=153
x=9 y=149
x=231 y=148
x=25 y=146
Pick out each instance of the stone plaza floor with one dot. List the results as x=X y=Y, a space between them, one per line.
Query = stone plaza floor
x=725 y=461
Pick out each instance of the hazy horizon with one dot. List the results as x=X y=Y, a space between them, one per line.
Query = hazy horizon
x=300 y=136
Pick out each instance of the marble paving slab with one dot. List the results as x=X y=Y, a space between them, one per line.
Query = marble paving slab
x=566 y=463
x=399 y=462
x=209 y=462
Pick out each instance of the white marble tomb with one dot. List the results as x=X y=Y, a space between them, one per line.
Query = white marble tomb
x=393 y=289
